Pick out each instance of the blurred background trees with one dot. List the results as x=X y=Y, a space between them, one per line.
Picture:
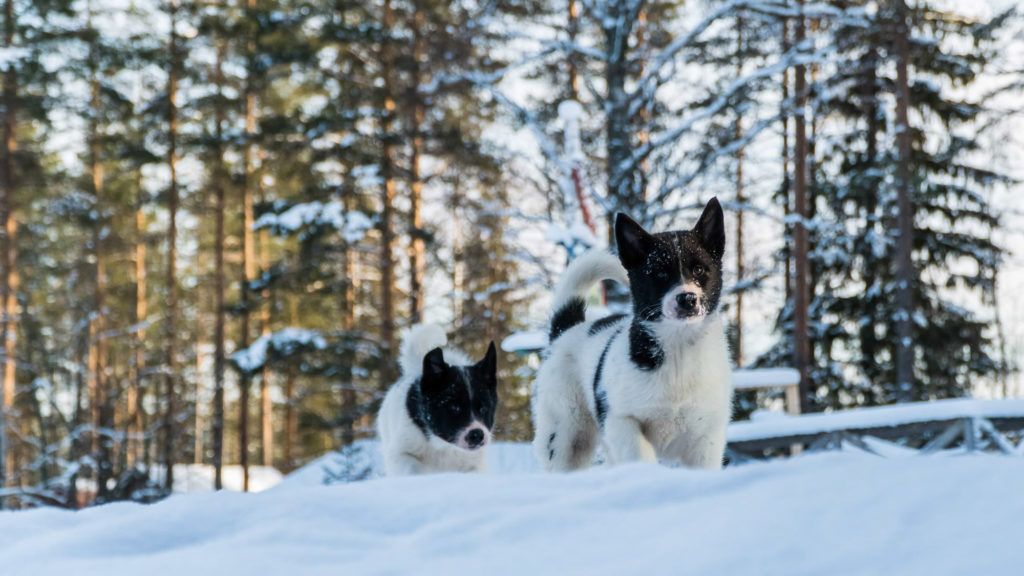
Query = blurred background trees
x=219 y=216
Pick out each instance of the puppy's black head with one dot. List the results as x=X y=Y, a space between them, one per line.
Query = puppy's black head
x=674 y=275
x=457 y=403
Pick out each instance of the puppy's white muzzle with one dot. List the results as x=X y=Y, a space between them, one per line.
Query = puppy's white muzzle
x=474 y=437
x=685 y=302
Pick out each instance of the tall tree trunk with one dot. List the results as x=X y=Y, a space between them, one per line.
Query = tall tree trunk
x=905 y=246
x=572 y=27
x=266 y=406
x=387 y=239
x=248 y=254
x=170 y=323
x=219 y=359
x=624 y=185
x=219 y=191
x=868 y=341
x=348 y=322
x=197 y=406
x=31 y=357
x=417 y=117
x=740 y=199
x=786 y=182
x=290 y=420
x=244 y=379
x=1004 y=371
x=139 y=341
x=97 y=323
x=643 y=133
x=266 y=403
x=801 y=343
x=457 y=258
x=78 y=420
x=8 y=275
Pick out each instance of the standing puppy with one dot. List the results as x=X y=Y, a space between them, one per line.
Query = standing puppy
x=651 y=385
x=438 y=417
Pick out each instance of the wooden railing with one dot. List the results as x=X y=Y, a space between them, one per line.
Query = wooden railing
x=974 y=425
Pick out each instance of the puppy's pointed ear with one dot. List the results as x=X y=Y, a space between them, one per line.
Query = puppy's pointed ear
x=710 y=228
x=488 y=367
x=633 y=242
x=434 y=364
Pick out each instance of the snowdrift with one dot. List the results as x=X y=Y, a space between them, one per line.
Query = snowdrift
x=829 y=514
x=362 y=461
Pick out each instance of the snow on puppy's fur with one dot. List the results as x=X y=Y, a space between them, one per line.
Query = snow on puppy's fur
x=651 y=385
x=438 y=416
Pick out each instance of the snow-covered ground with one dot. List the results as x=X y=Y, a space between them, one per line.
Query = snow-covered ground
x=829 y=514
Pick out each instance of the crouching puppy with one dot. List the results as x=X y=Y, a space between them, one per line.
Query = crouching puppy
x=651 y=385
x=438 y=416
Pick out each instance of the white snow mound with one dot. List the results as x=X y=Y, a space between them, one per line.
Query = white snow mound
x=835 y=514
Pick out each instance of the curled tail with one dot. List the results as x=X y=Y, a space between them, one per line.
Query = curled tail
x=569 y=307
x=422 y=338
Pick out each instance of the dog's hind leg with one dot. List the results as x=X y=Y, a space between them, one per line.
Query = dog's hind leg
x=564 y=443
x=582 y=446
x=565 y=433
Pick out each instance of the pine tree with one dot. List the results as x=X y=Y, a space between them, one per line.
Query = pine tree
x=859 y=174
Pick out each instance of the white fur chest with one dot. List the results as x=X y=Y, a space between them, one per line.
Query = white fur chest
x=690 y=392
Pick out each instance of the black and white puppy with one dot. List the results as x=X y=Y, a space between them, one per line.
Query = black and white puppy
x=651 y=385
x=438 y=416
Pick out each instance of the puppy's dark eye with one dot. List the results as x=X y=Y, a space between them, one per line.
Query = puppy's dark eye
x=698 y=271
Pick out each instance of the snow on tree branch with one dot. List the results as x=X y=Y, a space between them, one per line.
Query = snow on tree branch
x=352 y=225
x=283 y=343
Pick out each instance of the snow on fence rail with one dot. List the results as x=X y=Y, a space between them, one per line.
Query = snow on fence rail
x=767 y=378
x=764 y=378
x=978 y=424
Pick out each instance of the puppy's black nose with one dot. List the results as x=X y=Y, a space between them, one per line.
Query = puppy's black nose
x=687 y=301
x=475 y=437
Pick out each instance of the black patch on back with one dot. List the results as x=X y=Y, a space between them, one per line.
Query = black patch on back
x=600 y=395
x=440 y=403
x=551 y=447
x=413 y=404
x=569 y=315
x=644 y=349
x=603 y=323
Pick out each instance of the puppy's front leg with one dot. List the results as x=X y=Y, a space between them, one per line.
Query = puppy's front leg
x=625 y=441
x=404 y=464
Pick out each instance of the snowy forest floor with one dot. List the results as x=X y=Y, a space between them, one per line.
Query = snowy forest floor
x=827 y=514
